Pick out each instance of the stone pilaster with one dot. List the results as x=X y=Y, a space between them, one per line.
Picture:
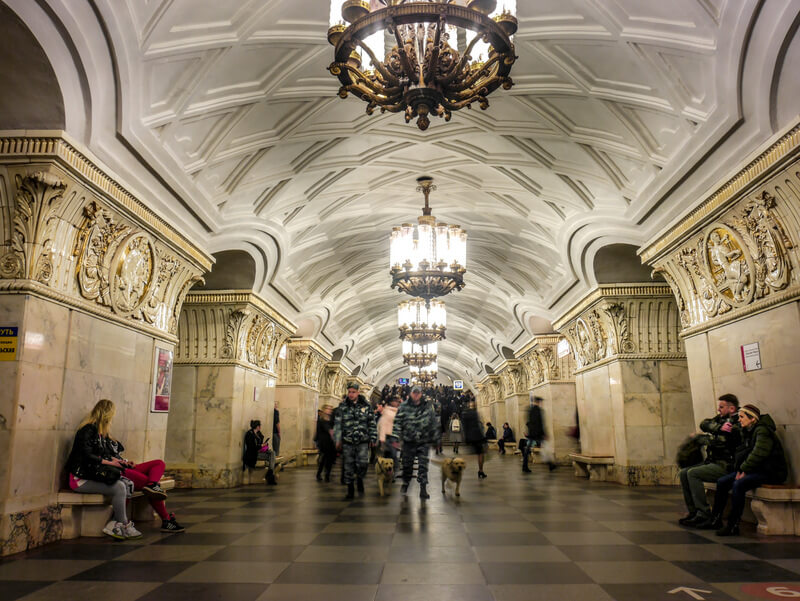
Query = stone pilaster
x=552 y=378
x=493 y=403
x=631 y=378
x=734 y=267
x=93 y=282
x=514 y=387
x=297 y=393
x=225 y=376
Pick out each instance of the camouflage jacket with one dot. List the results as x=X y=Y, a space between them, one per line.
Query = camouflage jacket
x=416 y=423
x=355 y=422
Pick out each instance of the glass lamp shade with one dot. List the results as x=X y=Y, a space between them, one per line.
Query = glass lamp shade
x=422 y=322
x=428 y=246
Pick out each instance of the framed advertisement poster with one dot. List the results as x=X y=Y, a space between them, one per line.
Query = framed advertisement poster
x=162 y=381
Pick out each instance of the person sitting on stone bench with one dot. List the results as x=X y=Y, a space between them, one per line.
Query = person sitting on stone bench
x=96 y=466
x=759 y=460
x=722 y=437
x=508 y=437
x=256 y=448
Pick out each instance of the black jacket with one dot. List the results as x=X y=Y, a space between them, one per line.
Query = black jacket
x=471 y=426
x=535 y=423
x=761 y=452
x=88 y=451
x=323 y=437
x=721 y=447
x=252 y=445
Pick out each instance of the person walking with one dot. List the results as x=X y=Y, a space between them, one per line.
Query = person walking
x=416 y=427
x=473 y=433
x=386 y=437
x=536 y=433
x=276 y=430
x=456 y=431
x=324 y=439
x=354 y=432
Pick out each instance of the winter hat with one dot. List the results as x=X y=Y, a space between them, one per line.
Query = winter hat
x=416 y=389
x=751 y=411
x=353 y=385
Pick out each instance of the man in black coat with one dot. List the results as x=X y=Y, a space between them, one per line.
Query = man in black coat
x=536 y=433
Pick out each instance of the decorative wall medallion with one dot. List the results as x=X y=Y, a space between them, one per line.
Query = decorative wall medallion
x=132 y=273
x=729 y=264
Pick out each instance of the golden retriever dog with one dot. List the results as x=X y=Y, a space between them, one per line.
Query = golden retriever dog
x=384 y=469
x=452 y=469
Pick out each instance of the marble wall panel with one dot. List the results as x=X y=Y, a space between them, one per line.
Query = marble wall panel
x=47 y=326
x=33 y=462
x=640 y=376
x=39 y=396
x=704 y=401
x=596 y=415
x=641 y=409
x=645 y=445
x=5 y=468
x=9 y=392
x=181 y=422
x=677 y=410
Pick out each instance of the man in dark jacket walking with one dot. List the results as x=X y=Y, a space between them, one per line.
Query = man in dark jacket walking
x=722 y=436
x=536 y=433
x=355 y=432
x=417 y=427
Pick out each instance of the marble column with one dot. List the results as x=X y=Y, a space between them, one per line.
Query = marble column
x=552 y=377
x=91 y=283
x=734 y=267
x=494 y=406
x=514 y=388
x=224 y=378
x=631 y=379
x=297 y=393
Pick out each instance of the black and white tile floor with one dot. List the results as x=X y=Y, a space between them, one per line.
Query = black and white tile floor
x=512 y=537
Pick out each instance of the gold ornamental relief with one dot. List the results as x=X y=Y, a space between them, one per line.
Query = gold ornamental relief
x=132 y=271
x=729 y=264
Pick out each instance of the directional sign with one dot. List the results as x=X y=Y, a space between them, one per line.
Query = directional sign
x=8 y=343
x=694 y=593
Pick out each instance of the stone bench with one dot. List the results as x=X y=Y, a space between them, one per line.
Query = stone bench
x=87 y=514
x=594 y=467
x=492 y=444
x=774 y=507
x=306 y=453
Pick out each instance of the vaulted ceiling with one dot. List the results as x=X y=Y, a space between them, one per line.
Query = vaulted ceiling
x=223 y=114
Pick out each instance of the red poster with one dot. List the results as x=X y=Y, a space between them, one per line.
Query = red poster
x=162 y=381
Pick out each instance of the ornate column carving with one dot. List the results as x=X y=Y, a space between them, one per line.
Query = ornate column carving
x=73 y=235
x=304 y=364
x=623 y=321
x=230 y=328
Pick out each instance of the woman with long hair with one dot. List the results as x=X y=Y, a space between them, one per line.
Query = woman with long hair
x=96 y=466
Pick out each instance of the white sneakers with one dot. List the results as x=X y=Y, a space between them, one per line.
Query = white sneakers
x=121 y=531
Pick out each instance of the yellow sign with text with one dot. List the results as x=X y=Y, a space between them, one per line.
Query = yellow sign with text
x=8 y=343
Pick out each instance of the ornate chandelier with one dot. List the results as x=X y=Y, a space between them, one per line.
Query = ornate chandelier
x=425 y=374
x=421 y=322
x=424 y=63
x=419 y=355
x=433 y=262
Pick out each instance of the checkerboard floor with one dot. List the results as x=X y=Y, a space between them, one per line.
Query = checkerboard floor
x=511 y=537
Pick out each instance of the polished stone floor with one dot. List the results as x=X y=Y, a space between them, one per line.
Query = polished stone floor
x=512 y=537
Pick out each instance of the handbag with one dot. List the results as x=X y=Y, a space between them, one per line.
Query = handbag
x=107 y=474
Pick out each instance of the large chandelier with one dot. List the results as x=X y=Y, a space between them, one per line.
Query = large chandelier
x=419 y=355
x=428 y=260
x=423 y=60
x=422 y=322
x=425 y=374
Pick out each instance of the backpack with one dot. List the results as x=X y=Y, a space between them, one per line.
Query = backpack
x=455 y=425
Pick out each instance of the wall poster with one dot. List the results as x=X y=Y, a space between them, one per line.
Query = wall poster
x=162 y=381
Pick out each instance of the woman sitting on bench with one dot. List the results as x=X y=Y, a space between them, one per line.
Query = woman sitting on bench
x=95 y=466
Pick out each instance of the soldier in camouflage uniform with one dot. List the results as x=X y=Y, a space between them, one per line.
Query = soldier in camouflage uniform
x=417 y=427
x=354 y=432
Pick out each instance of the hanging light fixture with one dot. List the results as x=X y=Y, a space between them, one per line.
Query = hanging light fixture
x=425 y=374
x=428 y=57
x=419 y=355
x=428 y=260
x=420 y=322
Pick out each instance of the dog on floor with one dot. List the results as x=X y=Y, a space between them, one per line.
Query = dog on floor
x=453 y=469
x=384 y=470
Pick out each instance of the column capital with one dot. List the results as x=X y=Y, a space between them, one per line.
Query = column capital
x=304 y=364
x=542 y=363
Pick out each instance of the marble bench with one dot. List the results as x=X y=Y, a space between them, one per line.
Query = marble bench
x=87 y=514
x=306 y=453
x=775 y=507
x=594 y=467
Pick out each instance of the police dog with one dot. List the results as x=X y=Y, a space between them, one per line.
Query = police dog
x=384 y=469
x=452 y=469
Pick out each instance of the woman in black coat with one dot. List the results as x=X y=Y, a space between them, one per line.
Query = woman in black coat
x=324 y=439
x=473 y=433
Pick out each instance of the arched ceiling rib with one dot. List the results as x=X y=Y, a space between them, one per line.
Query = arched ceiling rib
x=613 y=103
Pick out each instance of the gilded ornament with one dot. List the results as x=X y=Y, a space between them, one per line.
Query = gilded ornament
x=730 y=266
x=132 y=271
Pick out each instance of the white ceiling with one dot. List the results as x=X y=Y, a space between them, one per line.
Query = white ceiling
x=236 y=132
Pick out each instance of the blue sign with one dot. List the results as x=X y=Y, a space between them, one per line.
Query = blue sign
x=402 y=381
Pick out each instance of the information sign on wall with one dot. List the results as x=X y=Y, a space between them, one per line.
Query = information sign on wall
x=8 y=343
x=751 y=356
x=458 y=384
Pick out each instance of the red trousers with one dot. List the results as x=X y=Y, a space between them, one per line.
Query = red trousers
x=145 y=473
